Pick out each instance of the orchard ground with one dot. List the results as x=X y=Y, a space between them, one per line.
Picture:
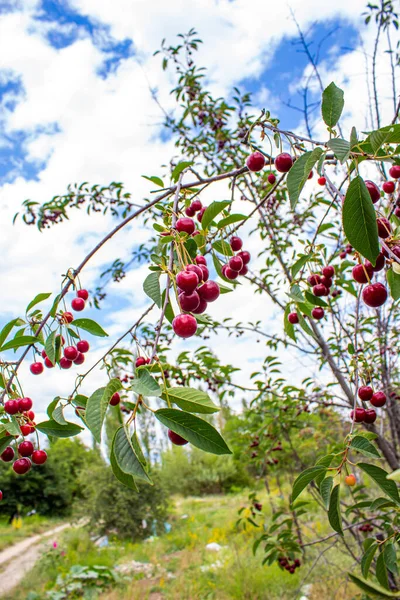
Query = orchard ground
x=178 y=565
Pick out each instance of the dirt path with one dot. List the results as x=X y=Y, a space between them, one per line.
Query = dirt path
x=27 y=552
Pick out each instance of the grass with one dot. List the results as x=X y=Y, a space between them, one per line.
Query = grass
x=25 y=527
x=183 y=569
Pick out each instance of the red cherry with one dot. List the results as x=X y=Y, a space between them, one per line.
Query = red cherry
x=39 y=457
x=229 y=273
x=362 y=273
x=310 y=175
x=43 y=354
x=271 y=178
x=205 y=273
x=318 y=312
x=196 y=205
x=115 y=399
x=187 y=281
x=176 y=439
x=328 y=271
x=78 y=304
x=184 y=325
x=320 y=290
x=343 y=255
x=22 y=465
x=185 y=225
x=384 y=227
x=395 y=171
x=84 y=294
x=48 y=363
x=202 y=307
x=25 y=404
x=189 y=302
x=68 y=317
x=65 y=363
x=83 y=346
x=359 y=415
x=25 y=448
x=375 y=294
x=11 y=407
x=196 y=269
x=245 y=256
x=244 y=270
x=36 y=368
x=140 y=361
x=370 y=416
x=201 y=213
x=1 y=495
x=26 y=430
x=255 y=162
x=283 y=162
x=189 y=211
x=388 y=187
x=365 y=393
x=209 y=291
x=378 y=399
x=326 y=281
x=201 y=260
x=373 y=190
x=7 y=454
x=70 y=352
x=293 y=318
x=314 y=279
x=236 y=243
x=321 y=180
x=379 y=264
x=30 y=415
x=235 y=263
x=80 y=359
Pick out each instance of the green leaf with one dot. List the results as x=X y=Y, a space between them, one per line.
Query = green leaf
x=17 y=342
x=37 y=299
x=364 y=446
x=181 y=166
x=54 y=429
x=334 y=515
x=126 y=456
x=288 y=327
x=340 y=147
x=212 y=211
x=50 y=347
x=299 y=264
x=299 y=173
x=156 y=180
x=380 y=477
x=385 y=135
x=4 y=442
x=54 y=307
x=367 y=558
x=304 y=479
x=325 y=490
x=372 y=588
x=90 y=326
x=151 y=287
x=58 y=415
x=353 y=138
x=379 y=503
x=124 y=478
x=222 y=247
x=315 y=300
x=97 y=405
x=145 y=384
x=332 y=104
x=230 y=220
x=52 y=406
x=381 y=571
x=296 y=294
x=191 y=400
x=390 y=558
x=138 y=450
x=12 y=426
x=7 y=329
x=394 y=283
x=359 y=220
x=305 y=326
x=193 y=429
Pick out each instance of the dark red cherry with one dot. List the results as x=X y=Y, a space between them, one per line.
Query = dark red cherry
x=379 y=264
x=202 y=307
x=201 y=213
x=375 y=294
x=321 y=180
x=314 y=279
x=395 y=171
x=140 y=361
x=176 y=439
x=293 y=318
x=80 y=359
x=84 y=294
x=205 y=272
x=83 y=346
x=25 y=448
x=8 y=454
x=230 y=273
x=378 y=399
x=187 y=281
x=11 y=407
x=244 y=270
x=48 y=363
x=77 y=304
x=235 y=263
x=370 y=416
x=39 y=457
x=196 y=269
x=365 y=393
x=189 y=302
x=189 y=211
x=24 y=404
x=373 y=190
x=326 y=281
x=283 y=162
x=201 y=260
x=320 y=290
x=271 y=178
x=184 y=325
x=209 y=291
x=196 y=205
x=236 y=243
x=255 y=162
x=70 y=352
x=328 y=271
x=384 y=227
x=68 y=317
x=115 y=399
x=185 y=225
x=388 y=187
x=362 y=273
x=22 y=466
x=318 y=312
x=245 y=256
x=36 y=368
x=359 y=415
x=65 y=363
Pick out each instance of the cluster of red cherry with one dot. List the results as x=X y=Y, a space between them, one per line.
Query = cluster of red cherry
x=377 y=399
x=321 y=285
x=22 y=409
x=287 y=565
x=71 y=354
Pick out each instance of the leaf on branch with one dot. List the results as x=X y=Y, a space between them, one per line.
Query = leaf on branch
x=145 y=384
x=380 y=477
x=90 y=326
x=151 y=287
x=156 y=180
x=325 y=489
x=304 y=479
x=97 y=405
x=361 y=444
x=332 y=104
x=371 y=587
x=37 y=299
x=54 y=429
x=126 y=457
x=288 y=327
x=299 y=173
x=230 y=220
x=340 y=147
x=385 y=135
x=367 y=558
x=359 y=220
x=394 y=283
x=334 y=515
x=181 y=166
x=190 y=400
x=212 y=211
x=17 y=342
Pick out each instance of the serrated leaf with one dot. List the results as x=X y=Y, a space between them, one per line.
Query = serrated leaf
x=381 y=571
x=305 y=326
x=380 y=477
x=304 y=479
x=12 y=426
x=359 y=220
x=334 y=515
x=361 y=444
x=299 y=264
x=54 y=307
x=385 y=135
x=145 y=384
x=191 y=400
x=379 y=503
x=151 y=287
x=296 y=294
x=325 y=489
x=212 y=211
x=156 y=180
x=37 y=299
x=52 y=406
x=371 y=587
x=299 y=173
x=124 y=478
x=97 y=405
x=181 y=166
x=58 y=415
x=315 y=300
x=332 y=104
x=126 y=456
x=367 y=558
x=90 y=326
x=393 y=280
x=17 y=342
x=340 y=147
x=193 y=429
x=236 y=218
x=222 y=247
x=390 y=558
x=54 y=429
x=50 y=347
